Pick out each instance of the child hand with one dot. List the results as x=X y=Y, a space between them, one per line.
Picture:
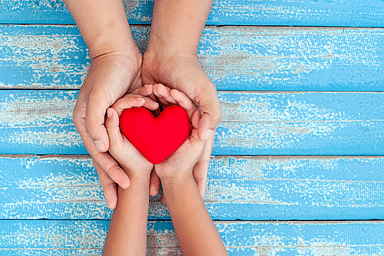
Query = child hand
x=182 y=71
x=130 y=159
x=181 y=162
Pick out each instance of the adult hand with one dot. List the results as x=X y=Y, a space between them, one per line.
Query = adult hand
x=109 y=78
x=183 y=72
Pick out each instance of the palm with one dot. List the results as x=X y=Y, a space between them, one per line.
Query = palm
x=108 y=79
x=178 y=73
x=184 y=73
x=136 y=160
x=186 y=155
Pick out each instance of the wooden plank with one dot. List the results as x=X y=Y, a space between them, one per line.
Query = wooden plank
x=246 y=188
x=353 y=13
x=86 y=237
x=38 y=122
x=308 y=123
x=236 y=58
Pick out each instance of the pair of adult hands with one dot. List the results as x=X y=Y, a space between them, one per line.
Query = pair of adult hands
x=110 y=77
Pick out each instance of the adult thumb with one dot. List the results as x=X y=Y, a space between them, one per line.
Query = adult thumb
x=212 y=115
x=94 y=122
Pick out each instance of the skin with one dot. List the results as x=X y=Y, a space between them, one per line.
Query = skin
x=194 y=228
x=171 y=59
x=117 y=67
x=127 y=231
x=195 y=231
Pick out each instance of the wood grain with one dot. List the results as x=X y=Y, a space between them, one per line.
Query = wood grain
x=307 y=123
x=262 y=168
x=235 y=58
x=245 y=188
x=240 y=238
x=352 y=13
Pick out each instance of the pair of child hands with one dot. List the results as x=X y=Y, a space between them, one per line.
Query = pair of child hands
x=179 y=164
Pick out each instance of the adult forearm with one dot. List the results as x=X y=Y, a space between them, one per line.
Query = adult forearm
x=127 y=232
x=177 y=24
x=195 y=231
x=103 y=25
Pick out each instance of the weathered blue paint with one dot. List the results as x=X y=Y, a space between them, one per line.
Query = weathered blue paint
x=352 y=13
x=293 y=59
x=235 y=58
x=240 y=238
x=38 y=121
x=65 y=189
x=308 y=123
x=246 y=188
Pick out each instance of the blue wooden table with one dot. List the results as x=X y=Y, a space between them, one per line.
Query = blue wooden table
x=298 y=160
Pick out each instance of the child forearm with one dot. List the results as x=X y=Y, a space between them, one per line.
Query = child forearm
x=103 y=25
x=195 y=231
x=127 y=232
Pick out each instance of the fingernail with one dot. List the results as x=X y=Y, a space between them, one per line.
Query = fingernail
x=112 y=204
x=109 y=112
x=100 y=145
x=207 y=134
x=125 y=184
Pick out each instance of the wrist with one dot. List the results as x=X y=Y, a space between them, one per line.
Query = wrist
x=174 y=177
x=108 y=43
x=131 y=56
x=163 y=46
x=164 y=60
x=173 y=185
x=177 y=25
x=140 y=174
x=140 y=178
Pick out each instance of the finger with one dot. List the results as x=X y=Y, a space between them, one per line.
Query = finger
x=146 y=90
x=150 y=87
x=206 y=126
x=195 y=119
x=154 y=185
x=210 y=106
x=106 y=162
x=131 y=101
x=109 y=186
x=149 y=96
x=150 y=104
x=163 y=94
x=112 y=125
x=94 y=121
x=200 y=170
x=112 y=168
x=184 y=101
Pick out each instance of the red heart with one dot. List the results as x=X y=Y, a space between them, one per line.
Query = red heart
x=155 y=138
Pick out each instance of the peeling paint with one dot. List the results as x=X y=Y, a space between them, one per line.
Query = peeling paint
x=253 y=123
x=235 y=58
x=237 y=188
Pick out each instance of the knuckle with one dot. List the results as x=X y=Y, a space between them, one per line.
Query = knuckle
x=96 y=95
x=89 y=127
